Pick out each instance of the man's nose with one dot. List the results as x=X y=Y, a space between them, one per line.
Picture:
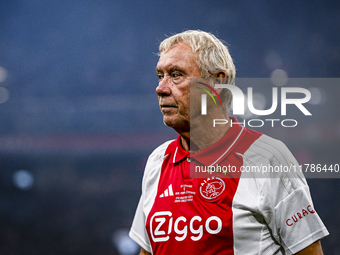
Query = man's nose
x=163 y=87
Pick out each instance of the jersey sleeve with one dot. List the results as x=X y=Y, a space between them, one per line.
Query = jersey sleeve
x=286 y=202
x=297 y=222
x=138 y=232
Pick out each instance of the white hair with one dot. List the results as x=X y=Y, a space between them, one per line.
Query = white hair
x=213 y=56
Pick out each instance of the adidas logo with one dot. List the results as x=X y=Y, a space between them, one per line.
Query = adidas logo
x=168 y=192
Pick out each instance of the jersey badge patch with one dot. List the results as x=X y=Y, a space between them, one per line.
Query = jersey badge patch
x=212 y=188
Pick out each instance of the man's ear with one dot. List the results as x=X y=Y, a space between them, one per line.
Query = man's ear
x=221 y=78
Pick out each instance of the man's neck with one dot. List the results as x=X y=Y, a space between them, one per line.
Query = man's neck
x=203 y=134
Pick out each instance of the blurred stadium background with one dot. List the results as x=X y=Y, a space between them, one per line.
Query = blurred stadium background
x=79 y=114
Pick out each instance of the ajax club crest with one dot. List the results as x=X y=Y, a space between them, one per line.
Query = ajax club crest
x=212 y=188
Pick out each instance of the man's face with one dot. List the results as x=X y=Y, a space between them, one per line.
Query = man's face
x=174 y=69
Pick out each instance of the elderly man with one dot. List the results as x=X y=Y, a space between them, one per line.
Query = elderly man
x=179 y=213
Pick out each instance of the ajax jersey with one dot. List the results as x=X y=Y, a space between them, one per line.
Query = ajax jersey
x=187 y=206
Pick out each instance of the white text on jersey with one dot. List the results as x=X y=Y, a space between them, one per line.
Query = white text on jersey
x=165 y=221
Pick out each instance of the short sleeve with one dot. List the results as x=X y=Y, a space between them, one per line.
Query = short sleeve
x=138 y=232
x=287 y=203
x=297 y=222
x=285 y=200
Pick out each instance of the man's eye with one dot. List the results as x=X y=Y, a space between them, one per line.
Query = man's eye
x=160 y=76
x=176 y=75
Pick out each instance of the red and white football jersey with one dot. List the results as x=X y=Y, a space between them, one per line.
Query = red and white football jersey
x=245 y=214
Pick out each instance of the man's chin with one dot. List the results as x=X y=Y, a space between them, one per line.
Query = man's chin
x=174 y=123
x=168 y=123
x=169 y=120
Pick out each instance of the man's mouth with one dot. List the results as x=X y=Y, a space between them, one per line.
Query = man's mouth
x=167 y=106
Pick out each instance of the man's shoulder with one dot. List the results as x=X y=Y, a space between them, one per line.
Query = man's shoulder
x=269 y=142
x=269 y=146
x=153 y=166
x=156 y=158
x=254 y=142
x=271 y=160
x=267 y=150
x=160 y=150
